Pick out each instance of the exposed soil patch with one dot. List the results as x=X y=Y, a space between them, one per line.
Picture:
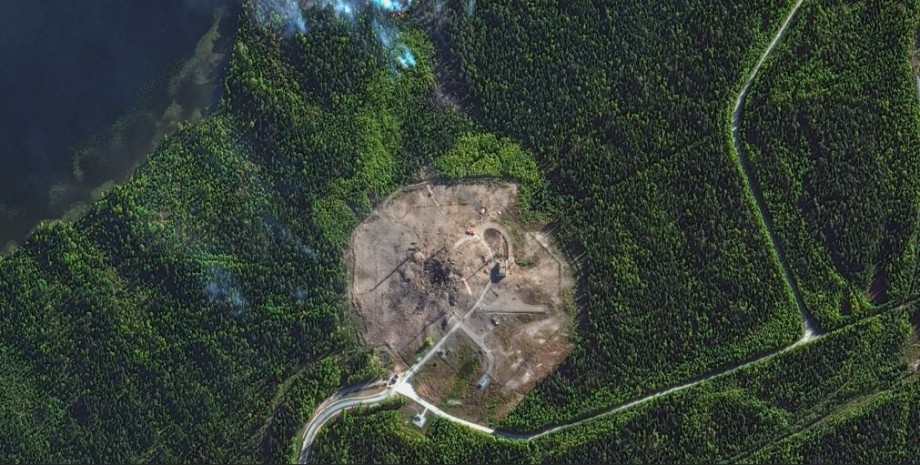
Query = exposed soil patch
x=912 y=349
x=451 y=378
x=420 y=263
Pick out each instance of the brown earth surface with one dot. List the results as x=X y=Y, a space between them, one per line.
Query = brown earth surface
x=418 y=265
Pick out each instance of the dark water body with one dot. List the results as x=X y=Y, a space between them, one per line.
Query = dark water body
x=88 y=88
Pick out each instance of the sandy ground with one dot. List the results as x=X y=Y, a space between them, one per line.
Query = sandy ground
x=421 y=260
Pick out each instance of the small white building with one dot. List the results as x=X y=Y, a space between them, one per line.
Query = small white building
x=419 y=419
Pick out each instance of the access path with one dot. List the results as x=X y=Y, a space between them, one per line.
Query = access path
x=750 y=182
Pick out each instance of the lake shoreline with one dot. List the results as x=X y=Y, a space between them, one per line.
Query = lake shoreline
x=185 y=92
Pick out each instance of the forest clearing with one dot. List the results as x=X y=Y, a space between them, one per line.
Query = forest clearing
x=423 y=259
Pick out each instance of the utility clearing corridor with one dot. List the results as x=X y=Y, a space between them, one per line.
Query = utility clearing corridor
x=750 y=182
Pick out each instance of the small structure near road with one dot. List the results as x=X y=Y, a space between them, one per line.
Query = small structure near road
x=497 y=273
x=419 y=419
x=483 y=382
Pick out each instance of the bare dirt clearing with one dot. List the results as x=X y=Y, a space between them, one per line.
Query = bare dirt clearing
x=421 y=261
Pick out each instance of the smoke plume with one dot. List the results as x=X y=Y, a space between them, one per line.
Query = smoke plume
x=283 y=15
x=287 y=16
x=224 y=288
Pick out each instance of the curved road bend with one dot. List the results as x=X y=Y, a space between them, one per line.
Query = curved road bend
x=407 y=390
x=404 y=388
x=331 y=410
x=808 y=325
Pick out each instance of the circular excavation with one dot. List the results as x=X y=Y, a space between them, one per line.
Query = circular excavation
x=437 y=261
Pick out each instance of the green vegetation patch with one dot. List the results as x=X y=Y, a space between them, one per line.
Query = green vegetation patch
x=196 y=313
x=383 y=435
x=660 y=235
x=623 y=107
x=745 y=415
x=832 y=133
x=870 y=430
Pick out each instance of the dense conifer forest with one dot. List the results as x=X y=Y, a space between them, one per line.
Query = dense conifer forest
x=198 y=313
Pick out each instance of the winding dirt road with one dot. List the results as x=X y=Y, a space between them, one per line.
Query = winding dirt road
x=750 y=182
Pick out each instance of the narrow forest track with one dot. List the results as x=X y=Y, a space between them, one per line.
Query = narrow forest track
x=911 y=286
x=750 y=182
x=810 y=330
